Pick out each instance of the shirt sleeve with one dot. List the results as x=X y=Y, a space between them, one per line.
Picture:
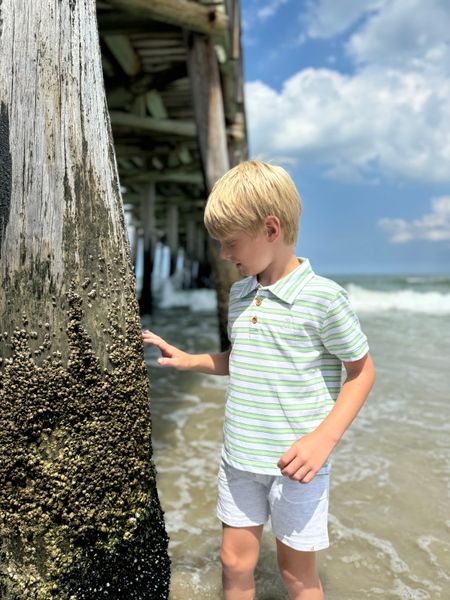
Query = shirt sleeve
x=341 y=332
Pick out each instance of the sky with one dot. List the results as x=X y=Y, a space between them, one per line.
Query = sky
x=352 y=97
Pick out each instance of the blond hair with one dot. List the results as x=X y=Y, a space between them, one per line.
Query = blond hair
x=247 y=194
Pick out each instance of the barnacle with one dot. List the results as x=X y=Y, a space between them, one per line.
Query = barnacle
x=79 y=510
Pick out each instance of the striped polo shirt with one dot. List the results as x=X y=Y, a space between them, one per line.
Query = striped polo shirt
x=288 y=341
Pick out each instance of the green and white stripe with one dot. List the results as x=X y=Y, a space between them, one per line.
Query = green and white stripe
x=285 y=368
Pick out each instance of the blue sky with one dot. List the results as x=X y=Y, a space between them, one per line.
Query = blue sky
x=352 y=97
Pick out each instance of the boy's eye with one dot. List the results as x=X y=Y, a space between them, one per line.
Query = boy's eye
x=228 y=245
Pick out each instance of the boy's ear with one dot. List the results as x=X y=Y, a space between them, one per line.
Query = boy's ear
x=273 y=227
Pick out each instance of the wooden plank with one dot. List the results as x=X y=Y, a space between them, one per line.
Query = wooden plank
x=118 y=22
x=184 y=155
x=155 y=104
x=183 y=13
x=177 y=72
x=164 y=53
x=194 y=178
x=138 y=107
x=149 y=43
x=131 y=149
x=185 y=202
x=122 y=50
x=181 y=128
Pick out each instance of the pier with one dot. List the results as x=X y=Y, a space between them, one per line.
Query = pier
x=173 y=76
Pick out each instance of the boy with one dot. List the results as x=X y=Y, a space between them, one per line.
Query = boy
x=290 y=331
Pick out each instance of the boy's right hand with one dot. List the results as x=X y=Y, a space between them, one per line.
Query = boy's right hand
x=172 y=357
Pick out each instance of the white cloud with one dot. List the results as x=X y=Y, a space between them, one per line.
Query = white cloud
x=388 y=120
x=403 y=32
x=390 y=117
x=270 y=8
x=434 y=226
x=328 y=18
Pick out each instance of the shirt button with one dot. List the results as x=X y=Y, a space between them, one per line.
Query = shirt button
x=254 y=320
x=258 y=302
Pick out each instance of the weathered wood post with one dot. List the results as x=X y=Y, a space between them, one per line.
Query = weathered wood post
x=79 y=511
x=172 y=234
x=148 y=200
x=210 y=119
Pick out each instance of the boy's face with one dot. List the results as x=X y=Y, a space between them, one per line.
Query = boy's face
x=250 y=254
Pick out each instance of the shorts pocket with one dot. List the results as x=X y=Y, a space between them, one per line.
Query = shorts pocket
x=302 y=493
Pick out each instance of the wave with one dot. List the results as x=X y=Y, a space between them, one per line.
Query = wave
x=201 y=300
x=428 y=280
x=365 y=300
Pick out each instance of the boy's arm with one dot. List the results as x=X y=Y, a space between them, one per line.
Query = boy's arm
x=306 y=456
x=215 y=364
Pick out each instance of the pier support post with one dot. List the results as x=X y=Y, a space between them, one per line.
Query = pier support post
x=210 y=120
x=148 y=199
x=79 y=510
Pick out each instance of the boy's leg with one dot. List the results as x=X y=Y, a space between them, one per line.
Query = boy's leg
x=299 y=515
x=239 y=555
x=299 y=572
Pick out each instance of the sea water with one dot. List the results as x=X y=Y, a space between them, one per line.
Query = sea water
x=389 y=503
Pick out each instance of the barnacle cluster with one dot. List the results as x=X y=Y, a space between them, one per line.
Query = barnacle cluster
x=79 y=511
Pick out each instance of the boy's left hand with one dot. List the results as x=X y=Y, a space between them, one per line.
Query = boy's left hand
x=305 y=457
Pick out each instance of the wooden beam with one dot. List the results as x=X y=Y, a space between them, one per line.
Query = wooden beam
x=185 y=203
x=182 y=13
x=184 y=154
x=155 y=104
x=126 y=23
x=138 y=106
x=194 y=178
x=123 y=149
x=175 y=127
x=123 y=51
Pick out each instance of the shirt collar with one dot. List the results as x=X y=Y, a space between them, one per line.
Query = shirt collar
x=287 y=288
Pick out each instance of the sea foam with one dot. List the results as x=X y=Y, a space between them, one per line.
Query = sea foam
x=365 y=300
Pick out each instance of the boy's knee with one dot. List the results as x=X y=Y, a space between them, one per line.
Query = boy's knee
x=235 y=565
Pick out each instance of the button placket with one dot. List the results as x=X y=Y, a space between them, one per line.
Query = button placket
x=258 y=301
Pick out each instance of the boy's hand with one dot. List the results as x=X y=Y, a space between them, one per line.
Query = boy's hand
x=172 y=357
x=305 y=457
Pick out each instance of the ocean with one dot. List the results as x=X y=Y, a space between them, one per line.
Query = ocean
x=389 y=503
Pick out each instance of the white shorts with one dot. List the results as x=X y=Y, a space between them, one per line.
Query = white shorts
x=298 y=511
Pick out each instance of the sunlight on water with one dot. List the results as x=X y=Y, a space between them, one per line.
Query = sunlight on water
x=389 y=521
